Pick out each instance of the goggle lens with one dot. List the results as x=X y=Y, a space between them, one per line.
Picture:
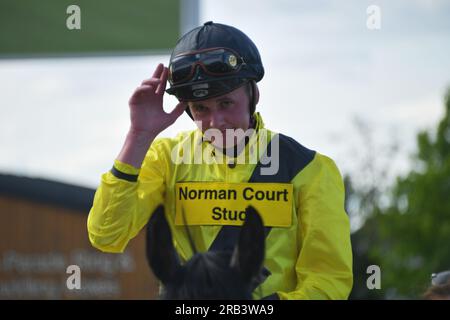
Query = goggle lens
x=215 y=62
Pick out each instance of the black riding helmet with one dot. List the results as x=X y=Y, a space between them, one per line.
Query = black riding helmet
x=212 y=60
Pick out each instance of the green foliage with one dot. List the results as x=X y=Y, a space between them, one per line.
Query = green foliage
x=410 y=238
x=416 y=227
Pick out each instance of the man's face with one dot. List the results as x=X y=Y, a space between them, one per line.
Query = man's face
x=229 y=111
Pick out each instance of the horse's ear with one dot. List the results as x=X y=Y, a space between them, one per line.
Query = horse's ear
x=161 y=254
x=248 y=256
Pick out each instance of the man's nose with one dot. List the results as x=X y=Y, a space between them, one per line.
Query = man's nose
x=216 y=120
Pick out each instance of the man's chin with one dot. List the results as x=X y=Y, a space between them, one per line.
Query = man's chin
x=222 y=145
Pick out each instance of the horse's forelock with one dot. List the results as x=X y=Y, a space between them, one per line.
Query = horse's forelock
x=212 y=274
x=209 y=275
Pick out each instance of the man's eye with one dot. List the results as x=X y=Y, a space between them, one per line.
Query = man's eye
x=199 y=108
x=226 y=104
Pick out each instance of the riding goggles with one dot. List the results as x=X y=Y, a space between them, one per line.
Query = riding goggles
x=213 y=61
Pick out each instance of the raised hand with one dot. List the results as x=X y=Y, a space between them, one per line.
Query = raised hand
x=146 y=105
x=148 y=117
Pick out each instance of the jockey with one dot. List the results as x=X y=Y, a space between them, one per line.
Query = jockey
x=211 y=174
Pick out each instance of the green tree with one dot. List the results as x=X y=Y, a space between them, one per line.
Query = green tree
x=366 y=188
x=413 y=233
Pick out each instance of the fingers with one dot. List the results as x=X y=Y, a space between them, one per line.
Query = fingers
x=144 y=88
x=159 y=79
x=154 y=84
x=163 y=81
x=178 y=110
x=138 y=93
x=159 y=69
x=151 y=82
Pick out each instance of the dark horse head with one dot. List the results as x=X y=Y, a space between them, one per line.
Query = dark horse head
x=212 y=274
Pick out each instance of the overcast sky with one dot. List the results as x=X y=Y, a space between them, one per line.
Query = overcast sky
x=66 y=119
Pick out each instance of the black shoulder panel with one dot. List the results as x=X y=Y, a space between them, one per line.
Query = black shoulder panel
x=292 y=158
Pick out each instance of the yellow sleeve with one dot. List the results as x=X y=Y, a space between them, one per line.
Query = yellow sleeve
x=121 y=207
x=324 y=265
